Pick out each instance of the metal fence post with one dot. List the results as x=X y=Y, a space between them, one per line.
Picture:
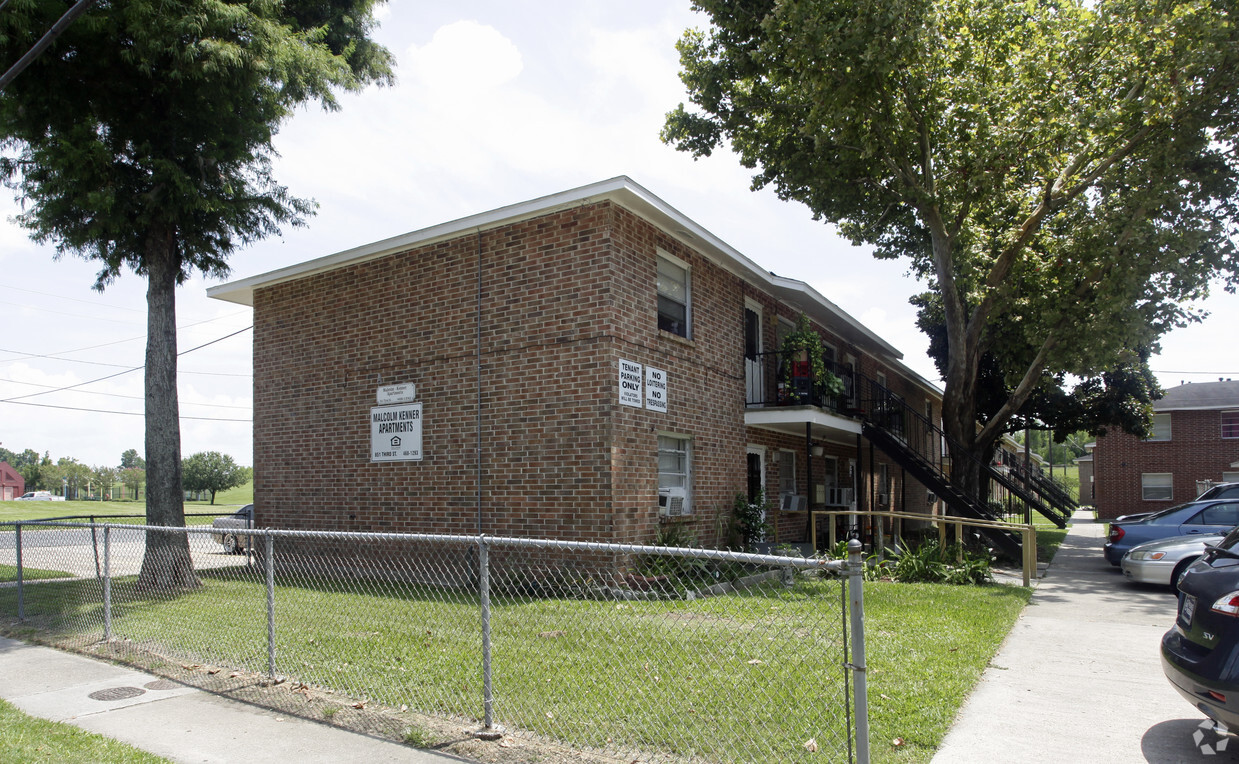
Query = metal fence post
x=270 y=565
x=488 y=698
x=107 y=583
x=856 y=611
x=21 y=590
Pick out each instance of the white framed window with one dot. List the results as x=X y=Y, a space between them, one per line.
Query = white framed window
x=787 y=472
x=1230 y=424
x=1161 y=427
x=1156 y=486
x=675 y=471
x=884 y=485
x=880 y=378
x=674 y=295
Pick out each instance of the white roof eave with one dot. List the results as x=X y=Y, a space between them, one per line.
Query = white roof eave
x=622 y=191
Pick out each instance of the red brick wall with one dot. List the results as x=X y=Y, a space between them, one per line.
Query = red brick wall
x=324 y=343
x=564 y=297
x=1195 y=451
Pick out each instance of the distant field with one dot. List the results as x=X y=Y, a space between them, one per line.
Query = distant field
x=225 y=503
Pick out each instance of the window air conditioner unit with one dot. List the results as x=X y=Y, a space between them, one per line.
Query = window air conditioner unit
x=792 y=503
x=672 y=502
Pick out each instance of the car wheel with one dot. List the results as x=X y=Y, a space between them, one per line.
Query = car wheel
x=230 y=545
x=1179 y=570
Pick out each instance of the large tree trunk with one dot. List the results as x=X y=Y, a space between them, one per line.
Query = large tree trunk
x=167 y=565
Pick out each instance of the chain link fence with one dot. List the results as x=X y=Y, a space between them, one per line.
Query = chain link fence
x=613 y=651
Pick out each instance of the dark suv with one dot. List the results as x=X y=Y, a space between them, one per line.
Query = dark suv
x=1200 y=655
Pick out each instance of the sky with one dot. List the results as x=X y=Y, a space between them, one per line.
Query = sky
x=495 y=103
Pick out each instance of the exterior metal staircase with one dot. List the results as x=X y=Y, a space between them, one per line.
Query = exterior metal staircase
x=922 y=449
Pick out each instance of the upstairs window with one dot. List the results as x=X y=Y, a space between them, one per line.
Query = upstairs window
x=1230 y=424
x=673 y=296
x=1161 y=427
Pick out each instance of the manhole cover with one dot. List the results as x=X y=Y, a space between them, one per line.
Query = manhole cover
x=162 y=684
x=117 y=693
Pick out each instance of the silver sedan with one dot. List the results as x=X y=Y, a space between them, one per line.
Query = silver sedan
x=1166 y=560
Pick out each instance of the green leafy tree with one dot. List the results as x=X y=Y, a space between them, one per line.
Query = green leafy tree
x=106 y=478
x=1062 y=174
x=131 y=459
x=133 y=479
x=212 y=471
x=142 y=139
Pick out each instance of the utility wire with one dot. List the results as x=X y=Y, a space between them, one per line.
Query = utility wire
x=123 y=413
x=45 y=42
x=125 y=397
x=22 y=355
x=92 y=303
x=120 y=373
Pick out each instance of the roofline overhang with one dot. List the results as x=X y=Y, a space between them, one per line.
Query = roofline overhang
x=624 y=192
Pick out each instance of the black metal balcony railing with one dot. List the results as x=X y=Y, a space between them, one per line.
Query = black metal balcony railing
x=776 y=378
x=904 y=434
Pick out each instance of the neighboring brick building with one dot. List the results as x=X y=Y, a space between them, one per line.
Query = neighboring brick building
x=517 y=328
x=12 y=484
x=1195 y=438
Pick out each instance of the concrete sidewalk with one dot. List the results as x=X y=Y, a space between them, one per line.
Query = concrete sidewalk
x=1079 y=678
x=178 y=722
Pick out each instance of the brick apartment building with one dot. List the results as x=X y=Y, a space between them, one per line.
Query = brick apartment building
x=1195 y=439
x=587 y=366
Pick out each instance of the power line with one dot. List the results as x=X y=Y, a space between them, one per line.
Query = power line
x=120 y=373
x=93 y=303
x=45 y=41
x=22 y=355
x=125 y=321
x=123 y=413
x=125 y=397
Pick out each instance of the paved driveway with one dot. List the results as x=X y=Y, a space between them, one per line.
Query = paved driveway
x=81 y=553
x=1079 y=679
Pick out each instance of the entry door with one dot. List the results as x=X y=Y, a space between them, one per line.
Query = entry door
x=754 y=384
x=756 y=474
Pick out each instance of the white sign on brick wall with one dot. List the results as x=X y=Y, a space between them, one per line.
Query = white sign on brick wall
x=396 y=433
x=656 y=389
x=630 y=384
x=389 y=394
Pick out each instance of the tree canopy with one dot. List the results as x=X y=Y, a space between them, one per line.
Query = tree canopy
x=1062 y=174
x=212 y=471
x=142 y=139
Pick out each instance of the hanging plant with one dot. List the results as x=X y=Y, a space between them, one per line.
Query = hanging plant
x=804 y=346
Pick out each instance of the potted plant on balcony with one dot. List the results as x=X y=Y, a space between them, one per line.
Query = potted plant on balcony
x=803 y=376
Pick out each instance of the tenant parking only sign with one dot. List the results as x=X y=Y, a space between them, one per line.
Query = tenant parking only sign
x=396 y=433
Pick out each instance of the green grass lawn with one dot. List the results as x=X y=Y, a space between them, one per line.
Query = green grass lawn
x=702 y=676
x=9 y=573
x=226 y=502
x=26 y=739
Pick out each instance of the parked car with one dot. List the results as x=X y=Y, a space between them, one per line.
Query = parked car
x=226 y=530
x=39 y=496
x=1200 y=654
x=1190 y=519
x=1165 y=561
x=1221 y=491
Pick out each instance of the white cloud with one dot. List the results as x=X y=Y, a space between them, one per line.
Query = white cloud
x=463 y=61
